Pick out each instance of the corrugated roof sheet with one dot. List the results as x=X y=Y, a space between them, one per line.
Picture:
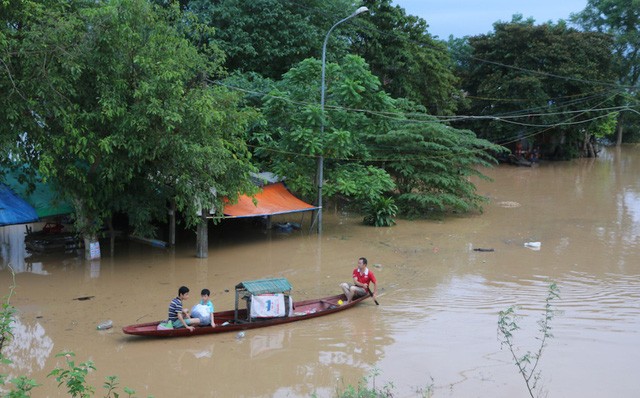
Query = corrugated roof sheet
x=264 y=286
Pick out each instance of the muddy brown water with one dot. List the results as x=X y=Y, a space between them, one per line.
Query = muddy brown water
x=435 y=327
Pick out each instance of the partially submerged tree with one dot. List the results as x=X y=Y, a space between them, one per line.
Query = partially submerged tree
x=544 y=83
x=621 y=20
x=110 y=101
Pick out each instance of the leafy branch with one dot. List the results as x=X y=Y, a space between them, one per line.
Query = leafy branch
x=527 y=364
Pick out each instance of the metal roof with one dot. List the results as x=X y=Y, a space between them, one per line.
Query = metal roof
x=263 y=286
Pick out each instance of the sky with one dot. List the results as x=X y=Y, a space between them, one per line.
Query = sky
x=474 y=17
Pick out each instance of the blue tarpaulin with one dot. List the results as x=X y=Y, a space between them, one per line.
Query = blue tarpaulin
x=14 y=210
x=43 y=198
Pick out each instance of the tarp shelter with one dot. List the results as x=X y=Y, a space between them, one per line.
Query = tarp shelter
x=43 y=198
x=273 y=199
x=14 y=210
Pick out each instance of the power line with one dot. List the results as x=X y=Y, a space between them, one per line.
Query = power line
x=405 y=117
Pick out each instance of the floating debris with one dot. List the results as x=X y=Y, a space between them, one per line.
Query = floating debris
x=508 y=204
x=105 y=325
x=83 y=298
x=533 y=245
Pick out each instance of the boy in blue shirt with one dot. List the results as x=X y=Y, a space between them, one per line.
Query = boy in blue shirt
x=204 y=309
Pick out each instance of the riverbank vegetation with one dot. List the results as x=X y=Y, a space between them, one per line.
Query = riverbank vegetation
x=136 y=106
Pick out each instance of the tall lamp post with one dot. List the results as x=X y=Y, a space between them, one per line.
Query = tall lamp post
x=321 y=157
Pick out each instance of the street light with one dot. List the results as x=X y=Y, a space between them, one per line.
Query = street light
x=321 y=158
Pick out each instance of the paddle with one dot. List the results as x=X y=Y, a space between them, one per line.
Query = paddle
x=374 y=300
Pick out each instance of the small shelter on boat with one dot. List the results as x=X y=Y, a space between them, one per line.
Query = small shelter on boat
x=266 y=299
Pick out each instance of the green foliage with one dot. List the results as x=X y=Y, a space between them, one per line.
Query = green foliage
x=74 y=377
x=269 y=36
x=6 y=319
x=527 y=363
x=7 y=313
x=409 y=62
x=366 y=388
x=111 y=385
x=380 y=212
x=111 y=101
x=363 y=390
x=23 y=386
x=369 y=155
x=545 y=83
x=289 y=142
x=621 y=20
x=431 y=164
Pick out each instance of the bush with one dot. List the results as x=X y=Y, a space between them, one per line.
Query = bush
x=380 y=212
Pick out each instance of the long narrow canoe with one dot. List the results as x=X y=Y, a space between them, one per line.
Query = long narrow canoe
x=224 y=320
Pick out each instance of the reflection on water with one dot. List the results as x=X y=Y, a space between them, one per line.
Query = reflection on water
x=14 y=253
x=29 y=349
x=264 y=343
x=439 y=302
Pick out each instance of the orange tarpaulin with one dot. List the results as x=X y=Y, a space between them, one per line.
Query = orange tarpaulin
x=273 y=199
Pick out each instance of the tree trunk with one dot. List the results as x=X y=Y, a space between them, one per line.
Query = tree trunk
x=592 y=150
x=172 y=224
x=619 y=130
x=91 y=248
x=112 y=235
x=202 y=246
x=84 y=227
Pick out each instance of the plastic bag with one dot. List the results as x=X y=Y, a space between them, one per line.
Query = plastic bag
x=201 y=312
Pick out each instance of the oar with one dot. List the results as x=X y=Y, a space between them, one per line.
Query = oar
x=374 y=300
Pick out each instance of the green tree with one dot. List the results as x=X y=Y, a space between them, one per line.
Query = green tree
x=621 y=20
x=289 y=142
x=371 y=148
x=109 y=100
x=431 y=164
x=409 y=62
x=270 y=36
x=545 y=84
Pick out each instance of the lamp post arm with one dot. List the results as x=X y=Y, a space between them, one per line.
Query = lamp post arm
x=324 y=51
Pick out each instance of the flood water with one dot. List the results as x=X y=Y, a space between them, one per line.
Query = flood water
x=435 y=327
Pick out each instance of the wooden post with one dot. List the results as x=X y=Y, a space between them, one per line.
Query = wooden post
x=202 y=246
x=112 y=237
x=172 y=224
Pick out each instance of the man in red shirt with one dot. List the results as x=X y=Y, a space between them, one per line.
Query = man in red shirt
x=362 y=277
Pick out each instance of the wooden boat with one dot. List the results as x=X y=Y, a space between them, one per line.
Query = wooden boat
x=43 y=241
x=240 y=319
